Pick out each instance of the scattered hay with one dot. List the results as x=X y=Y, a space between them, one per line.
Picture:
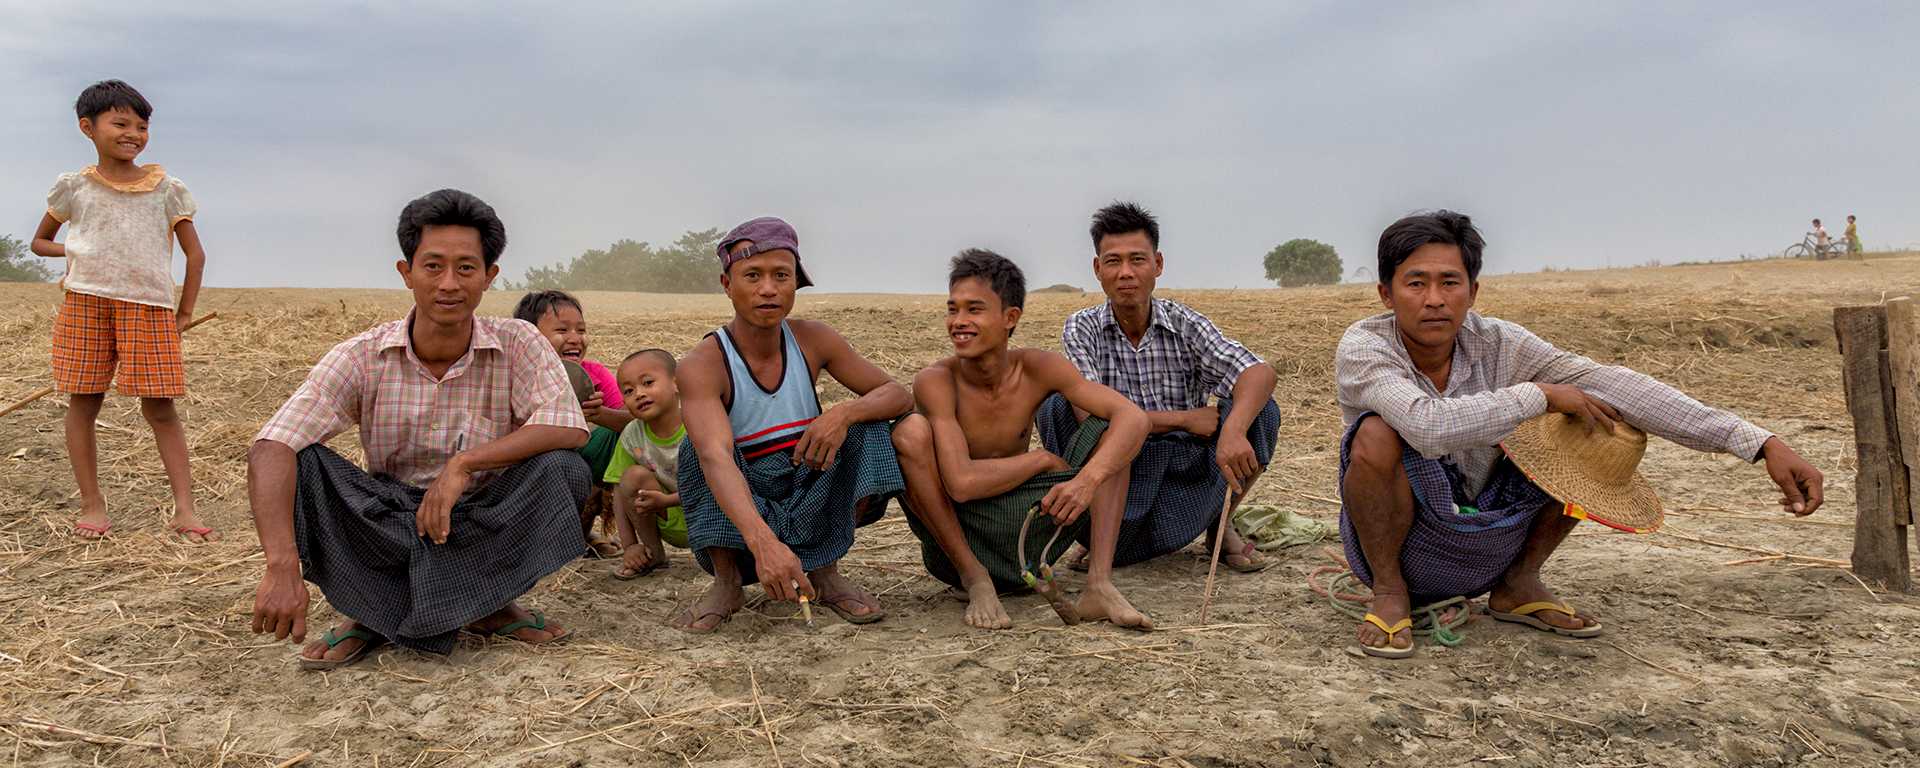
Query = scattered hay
x=138 y=650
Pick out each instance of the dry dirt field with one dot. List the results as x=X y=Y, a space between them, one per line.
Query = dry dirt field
x=137 y=651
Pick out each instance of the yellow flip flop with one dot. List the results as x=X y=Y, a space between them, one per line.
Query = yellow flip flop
x=1524 y=615
x=1388 y=651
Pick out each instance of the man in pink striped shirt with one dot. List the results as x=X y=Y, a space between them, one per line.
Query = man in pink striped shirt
x=471 y=488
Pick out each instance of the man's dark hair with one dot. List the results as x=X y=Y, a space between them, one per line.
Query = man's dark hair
x=1405 y=236
x=452 y=208
x=109 y=95
x=1000 y=274
x=1121 y=218
x=537 y=304
x=665 y=357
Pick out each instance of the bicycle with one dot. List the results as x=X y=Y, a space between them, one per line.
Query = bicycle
x=1808 y=247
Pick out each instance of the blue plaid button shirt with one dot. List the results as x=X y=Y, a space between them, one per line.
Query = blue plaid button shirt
x=1181 y=361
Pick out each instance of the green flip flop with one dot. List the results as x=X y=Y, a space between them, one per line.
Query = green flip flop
x=368 y=641
x=538 y=621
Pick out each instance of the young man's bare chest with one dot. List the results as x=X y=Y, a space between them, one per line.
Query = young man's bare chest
x=998 y=423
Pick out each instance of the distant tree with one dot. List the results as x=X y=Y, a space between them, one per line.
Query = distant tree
x=19 y=265
x=687 y=266
x=1303 y=262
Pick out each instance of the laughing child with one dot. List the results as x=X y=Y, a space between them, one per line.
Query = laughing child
x=560 y=319
x=118 y=320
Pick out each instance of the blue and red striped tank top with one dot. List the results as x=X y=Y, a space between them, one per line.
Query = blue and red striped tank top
x=769 y=421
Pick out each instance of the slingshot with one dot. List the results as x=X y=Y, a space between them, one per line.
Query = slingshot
x=1040 y=577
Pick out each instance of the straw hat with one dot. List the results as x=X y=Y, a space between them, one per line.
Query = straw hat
x=1593 y=472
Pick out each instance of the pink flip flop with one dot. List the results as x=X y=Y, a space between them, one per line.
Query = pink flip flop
x=184 y=531
x=98 y=531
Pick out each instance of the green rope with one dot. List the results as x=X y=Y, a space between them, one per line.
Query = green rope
x=1428 y=620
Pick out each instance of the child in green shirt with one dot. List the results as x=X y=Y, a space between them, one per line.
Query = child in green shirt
x=646 y=500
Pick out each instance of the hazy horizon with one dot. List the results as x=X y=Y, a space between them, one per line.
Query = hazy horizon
x=893 y=137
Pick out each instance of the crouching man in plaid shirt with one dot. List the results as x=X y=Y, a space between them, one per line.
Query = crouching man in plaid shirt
x=1170 y=361
x=472 y=489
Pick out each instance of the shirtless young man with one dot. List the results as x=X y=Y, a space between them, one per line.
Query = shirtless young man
x=967 y=447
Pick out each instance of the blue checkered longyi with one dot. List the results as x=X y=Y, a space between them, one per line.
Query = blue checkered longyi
x=1175 y=489
x=812 y=512
x=1451 y=552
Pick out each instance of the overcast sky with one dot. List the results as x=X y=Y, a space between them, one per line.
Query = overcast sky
x=893 y=135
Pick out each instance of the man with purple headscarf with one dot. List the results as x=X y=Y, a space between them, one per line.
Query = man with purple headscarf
x=773 y=484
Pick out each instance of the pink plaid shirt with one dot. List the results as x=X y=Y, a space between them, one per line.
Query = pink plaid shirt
x=411 y=423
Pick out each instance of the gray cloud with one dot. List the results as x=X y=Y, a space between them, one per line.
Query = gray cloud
x=894 y=136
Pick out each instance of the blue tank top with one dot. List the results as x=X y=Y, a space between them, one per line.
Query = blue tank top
x=769 y=421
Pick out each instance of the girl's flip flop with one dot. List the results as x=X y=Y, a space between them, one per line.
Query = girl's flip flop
x=98 y=531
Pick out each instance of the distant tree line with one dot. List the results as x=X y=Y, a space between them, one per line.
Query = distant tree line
x=686 y=266
x=19 y=265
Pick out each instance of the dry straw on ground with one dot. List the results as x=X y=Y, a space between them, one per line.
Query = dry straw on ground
x=1733 y=640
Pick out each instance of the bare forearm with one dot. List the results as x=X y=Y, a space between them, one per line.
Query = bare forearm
x=190 y=289
x=612 y=419
x=887 y=401
x=1125 y=434
x=1162 y=422
x=985 y=478
x=1250 y=394
x=271 y=470
x=730 y=491
x=522 y=444
x=47 y=247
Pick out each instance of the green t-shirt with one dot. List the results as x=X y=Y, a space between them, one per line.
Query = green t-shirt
x=639 y=446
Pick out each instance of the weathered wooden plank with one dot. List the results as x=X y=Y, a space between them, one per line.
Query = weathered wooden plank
x=1903 y=363
x=1880 y=533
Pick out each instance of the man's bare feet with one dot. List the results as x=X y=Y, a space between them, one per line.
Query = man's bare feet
x=1391 y=607
x=1100 y=601
x=711 y=610
x=1240 y=554
x=840 y=595
x=1516 y=590
x=1077 y=558
x=984 y=610
x=601 y=546
x=93 y=522
x=515 y=622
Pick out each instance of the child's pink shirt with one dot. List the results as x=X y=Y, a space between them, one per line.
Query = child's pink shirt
x=603 y=380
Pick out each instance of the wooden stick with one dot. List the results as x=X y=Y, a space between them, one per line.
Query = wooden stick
x=295 y=760
x=44 y=391
x=1638 y=658
x=1213 y=567
x=765 y=727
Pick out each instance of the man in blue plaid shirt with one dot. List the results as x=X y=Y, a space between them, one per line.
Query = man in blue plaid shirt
x=1170 y=360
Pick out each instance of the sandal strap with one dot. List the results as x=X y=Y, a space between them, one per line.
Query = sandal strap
x=335 y=637
x=1398 y=626
x=1543 y=605
x=537 y=622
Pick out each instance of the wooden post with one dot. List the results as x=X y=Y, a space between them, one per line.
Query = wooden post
x=1903 y=367
x=1882 y=497
x=1903 y=362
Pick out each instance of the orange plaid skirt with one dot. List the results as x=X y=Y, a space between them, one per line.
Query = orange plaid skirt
x=92 y=336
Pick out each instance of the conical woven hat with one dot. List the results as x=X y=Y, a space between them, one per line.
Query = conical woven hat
x=1595 y=473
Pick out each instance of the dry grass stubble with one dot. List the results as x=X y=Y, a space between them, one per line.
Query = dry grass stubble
x=136 y=651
